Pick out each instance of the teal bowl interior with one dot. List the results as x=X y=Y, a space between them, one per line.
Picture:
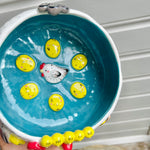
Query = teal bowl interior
x=100 y=76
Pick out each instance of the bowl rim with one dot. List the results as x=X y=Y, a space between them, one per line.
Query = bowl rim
x=10 y=25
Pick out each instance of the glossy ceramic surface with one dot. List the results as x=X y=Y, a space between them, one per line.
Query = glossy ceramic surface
x=100 y=76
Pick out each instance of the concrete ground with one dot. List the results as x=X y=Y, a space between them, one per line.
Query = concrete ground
x=134 y=146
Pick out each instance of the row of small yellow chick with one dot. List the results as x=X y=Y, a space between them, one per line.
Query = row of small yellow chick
x=68 y=137
x=58 y=139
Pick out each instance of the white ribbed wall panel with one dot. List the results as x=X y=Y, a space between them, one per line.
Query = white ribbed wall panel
x=128 y=23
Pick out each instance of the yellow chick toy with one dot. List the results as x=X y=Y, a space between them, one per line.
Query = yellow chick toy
x=16 y=140
x=78 y=90
x=56 y=102
x=29 y=91
x=88 y=132
x=58 y=139
x=79 y=135
x=69 y=137
x=52 y=48
x=25 y=63
x=46 y=141
x=79 y=61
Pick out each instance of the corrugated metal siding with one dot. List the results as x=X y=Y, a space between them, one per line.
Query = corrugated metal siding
x=128 y=23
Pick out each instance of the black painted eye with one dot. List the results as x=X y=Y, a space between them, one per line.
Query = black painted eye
x=59 y=74
x=45 y=70
x=51 y=6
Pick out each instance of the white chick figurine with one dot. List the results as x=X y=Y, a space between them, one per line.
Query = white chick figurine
x=52 y=73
